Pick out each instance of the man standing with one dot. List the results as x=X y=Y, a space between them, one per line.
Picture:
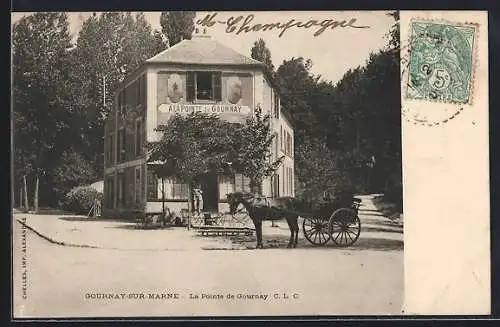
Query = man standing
x=198 y=199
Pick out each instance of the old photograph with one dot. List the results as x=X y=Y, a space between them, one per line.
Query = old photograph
x=190 y=164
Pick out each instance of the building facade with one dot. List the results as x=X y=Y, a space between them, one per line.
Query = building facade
x=198 y=74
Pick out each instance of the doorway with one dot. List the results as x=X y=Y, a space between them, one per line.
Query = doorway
x=209 y=186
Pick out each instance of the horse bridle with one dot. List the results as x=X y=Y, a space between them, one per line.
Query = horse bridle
x=246 y=196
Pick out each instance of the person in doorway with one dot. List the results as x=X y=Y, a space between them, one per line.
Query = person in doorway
x=198 y=199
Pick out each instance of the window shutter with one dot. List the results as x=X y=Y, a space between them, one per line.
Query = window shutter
x=190 y=86
x=144 y=91
x=216 y=85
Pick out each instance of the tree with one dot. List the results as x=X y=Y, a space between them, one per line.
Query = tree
x=253 y=150
x=109 y=46
x=40 y=93
x=296 y=85
x=193 y=145
x=199 y=143
x=394 y=39
x=74 y=170
x=262 y=53
x=177 y=25
x=319 y=169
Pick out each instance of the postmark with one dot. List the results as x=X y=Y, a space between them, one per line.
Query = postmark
x=438 y=68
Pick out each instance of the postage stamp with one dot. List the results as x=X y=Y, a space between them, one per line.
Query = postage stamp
x=441 y=62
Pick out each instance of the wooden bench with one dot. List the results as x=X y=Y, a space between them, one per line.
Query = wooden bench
x=224 y=231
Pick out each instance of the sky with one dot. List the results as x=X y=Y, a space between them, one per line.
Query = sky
x=332 y=52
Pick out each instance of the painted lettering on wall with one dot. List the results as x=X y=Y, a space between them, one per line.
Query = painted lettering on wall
x=209 y=109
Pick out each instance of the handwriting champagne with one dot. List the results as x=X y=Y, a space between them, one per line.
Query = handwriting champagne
x=241 y=24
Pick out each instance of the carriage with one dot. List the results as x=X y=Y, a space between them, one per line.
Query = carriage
x=335 y=220
x=332 y=218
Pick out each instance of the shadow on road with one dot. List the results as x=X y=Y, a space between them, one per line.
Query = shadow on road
x=91 y=219
x=371 y=213
x=382 y=229
x=281 y=241
x=380 y=244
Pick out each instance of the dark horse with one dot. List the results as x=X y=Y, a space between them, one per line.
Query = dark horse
x=262 y=209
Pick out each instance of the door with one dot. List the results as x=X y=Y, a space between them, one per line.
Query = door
x=209 y=186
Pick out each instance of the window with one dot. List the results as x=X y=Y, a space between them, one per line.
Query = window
x=143 y=90
x=276 y=105
x=241 y=183
x=285 y=181
x=120 y=149
x=283 y=172
x=226 y=186
x=110 y=193
x=138 y=186
x=205 y=86
x=138 y=137
x=281 y=137
x=121 y=190
x=276 y=155
x=276 y=185
x=152 y=181
x=111 y=148
x=174 y=189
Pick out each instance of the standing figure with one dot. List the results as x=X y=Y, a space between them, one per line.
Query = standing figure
x=198 y=199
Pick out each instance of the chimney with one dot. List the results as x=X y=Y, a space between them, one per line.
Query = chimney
x=201 y=35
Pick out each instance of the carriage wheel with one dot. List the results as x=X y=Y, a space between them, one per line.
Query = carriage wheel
x=316 y=230
x=344 y=227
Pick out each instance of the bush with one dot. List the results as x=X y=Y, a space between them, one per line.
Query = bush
x=80 y=199
x=72 y=170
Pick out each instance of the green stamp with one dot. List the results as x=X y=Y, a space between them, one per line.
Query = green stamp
x=441 y=62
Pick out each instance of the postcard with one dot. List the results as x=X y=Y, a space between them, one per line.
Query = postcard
x=213 y=164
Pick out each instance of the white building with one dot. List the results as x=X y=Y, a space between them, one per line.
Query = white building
x=197 y=74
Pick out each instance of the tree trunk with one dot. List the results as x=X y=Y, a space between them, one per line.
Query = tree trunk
x=25 y=191
x=35 y=199
x=190 y=203
x=163 y=195
x=21 y=198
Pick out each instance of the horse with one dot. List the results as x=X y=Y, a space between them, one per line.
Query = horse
x=271 y=209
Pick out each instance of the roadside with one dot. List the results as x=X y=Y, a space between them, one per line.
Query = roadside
x=377 y=232
x=81 y=231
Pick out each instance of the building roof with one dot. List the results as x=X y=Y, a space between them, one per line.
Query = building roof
x=202 y=49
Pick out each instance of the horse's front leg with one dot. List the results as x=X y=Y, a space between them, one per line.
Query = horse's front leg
x=292 y=231
x=296 y=228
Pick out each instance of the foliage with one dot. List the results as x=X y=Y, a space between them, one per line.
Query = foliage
x=262 y=53
x=74 y=170
x=198 y=143
x=193 y=145
x=62 y=93
x=252 y=150
x=80 y=200
x=394 y=38
x=41 y=101
x=109 y=46
x=339 y=127
x=177 y=25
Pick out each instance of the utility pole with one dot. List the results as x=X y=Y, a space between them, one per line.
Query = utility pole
x=104 y=90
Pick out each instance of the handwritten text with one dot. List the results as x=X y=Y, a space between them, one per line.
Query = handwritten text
x=242 y=24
